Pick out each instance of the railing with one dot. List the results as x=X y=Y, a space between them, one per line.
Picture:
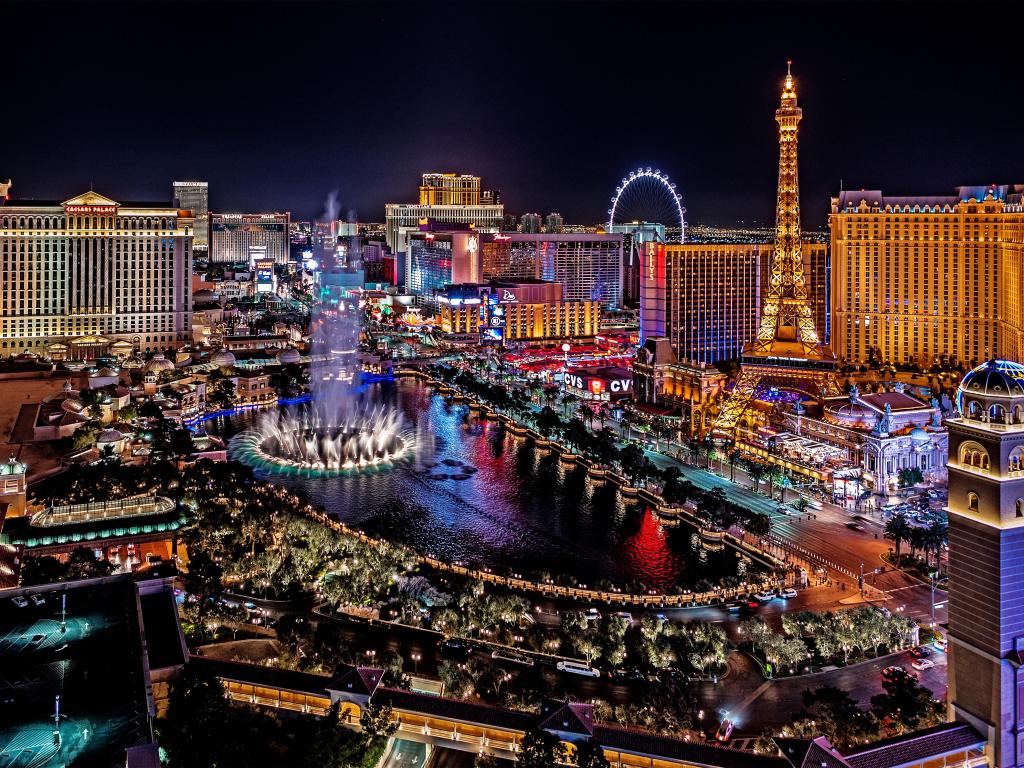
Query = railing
x=69 y=514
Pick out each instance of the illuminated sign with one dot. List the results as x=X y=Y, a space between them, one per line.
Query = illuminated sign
x=103 y=209
x=507 y=295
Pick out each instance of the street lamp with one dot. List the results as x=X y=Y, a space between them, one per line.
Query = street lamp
x=565 y=349
x=415 y=663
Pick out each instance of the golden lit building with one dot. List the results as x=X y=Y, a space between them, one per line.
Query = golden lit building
x=529 y=311
x=449 y=189
x=91 y=276
x=928 y=279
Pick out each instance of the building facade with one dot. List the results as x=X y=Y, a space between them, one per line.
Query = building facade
x=237 y=238
x=449 y=189
x=437 y=259
x=516 y=312
x=195 y=196
x=530 y=223
x=928 y=279
x=986 y=558
x=706 y=297
x=78 y=276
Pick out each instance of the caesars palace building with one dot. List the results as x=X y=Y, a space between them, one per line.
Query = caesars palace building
x=92 y=276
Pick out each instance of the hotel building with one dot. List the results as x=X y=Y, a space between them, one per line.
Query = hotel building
x=523 y=312
x=986 y=558
x=242 y=238
x=928 y=279
x=589 y=267
x=195 y=196
x=437 y=259
x=706 y=297
x=90 y=276
x=445 y=198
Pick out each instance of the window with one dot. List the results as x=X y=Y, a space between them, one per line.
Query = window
x=972 y=502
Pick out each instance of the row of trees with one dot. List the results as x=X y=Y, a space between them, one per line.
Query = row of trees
x=904 y=706
x=692 y=647
x=830 y=636
x=929 y=540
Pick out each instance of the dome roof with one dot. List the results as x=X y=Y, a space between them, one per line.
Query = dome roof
x=204 y=295
x=222 y=358
x=109 y=436
x=133 y=362
x=288 y=356
x=159 y=363
x=1001 y=378
x=850 y=413
x=919 y=435
x=72 y=404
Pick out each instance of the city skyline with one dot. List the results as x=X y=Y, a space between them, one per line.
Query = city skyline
x=327 y=128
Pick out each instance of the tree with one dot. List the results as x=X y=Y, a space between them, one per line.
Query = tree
x=82 y=563
x=377 y=721
x=757 y=633
x=831 y=712
x=633 y=461
x=756 y=471
x=203 y=577
x=540 y=749
x=548 y=421
x=906 y=705
x=590 y=754
x=897 y=528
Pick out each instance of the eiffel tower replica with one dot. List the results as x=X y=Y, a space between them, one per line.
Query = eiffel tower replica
x=786 y=352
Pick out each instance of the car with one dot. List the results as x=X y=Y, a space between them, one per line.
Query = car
x=724 y=730
x=939 y=645
x=512 y=658
x=922 y=664
x=786 y=594
x=576 y=668
x=753 y=603
x=624 y=615
x=38 y=600
x=893 y=672
x=921 y=652
x=249 y=605
x=19 y=601
x=628 y=674
x=591 y=614
x=454 y=648
x=853 y=526
x=764 y=597
x=733 y=607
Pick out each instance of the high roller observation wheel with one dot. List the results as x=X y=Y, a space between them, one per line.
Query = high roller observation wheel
x=645 y=176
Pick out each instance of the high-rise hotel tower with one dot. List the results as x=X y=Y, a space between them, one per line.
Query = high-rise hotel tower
x=986 y=558
x=91 y=276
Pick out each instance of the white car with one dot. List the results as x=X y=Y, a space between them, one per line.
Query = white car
x=764 y=597
x=786 y=594
x=922 y=664
x=577 y=669
x=592 y=614
x=38 y=600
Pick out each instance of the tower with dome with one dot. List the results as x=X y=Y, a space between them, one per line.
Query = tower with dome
x=986 y=557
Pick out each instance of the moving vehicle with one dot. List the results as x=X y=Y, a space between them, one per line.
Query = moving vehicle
x=786 y=594
x=513 y=658
x=939 y=645
x=854 y=526
x=812 y=503
x=576 y=668
x=724 y=730
x=893 y=672
x=591 y=614
x=19 y=601
x=764 y=597
x=922 y=664
x=624 y=615
x=921 y=652
x=38 y=600
x=454 y=648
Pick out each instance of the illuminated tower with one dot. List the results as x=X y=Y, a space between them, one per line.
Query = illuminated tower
x=786 y=352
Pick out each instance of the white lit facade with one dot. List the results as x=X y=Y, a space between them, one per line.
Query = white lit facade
x=93 y=276
x=195 y=196
x=242 y=238
x=400 y=219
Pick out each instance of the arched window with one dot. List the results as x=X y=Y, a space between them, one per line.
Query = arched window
x=972 y=502
x=974 y=409
x=1020 y=507
x=997 y=413
x=973 y=454
x=1016 y=461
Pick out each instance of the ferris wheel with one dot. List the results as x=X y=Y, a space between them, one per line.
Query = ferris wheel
x=647 y=195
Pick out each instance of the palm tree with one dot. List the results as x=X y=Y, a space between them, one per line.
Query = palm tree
x=897 y=529
x=935 y=537
x=734 y=456
x=756 y=472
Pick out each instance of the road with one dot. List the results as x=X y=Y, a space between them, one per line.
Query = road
x=404 y=754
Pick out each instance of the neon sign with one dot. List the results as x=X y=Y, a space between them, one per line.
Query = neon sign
x=103 y=209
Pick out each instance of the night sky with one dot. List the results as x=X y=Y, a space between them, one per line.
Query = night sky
x=277 y=105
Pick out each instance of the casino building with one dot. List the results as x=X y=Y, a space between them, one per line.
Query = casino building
x=244 y=238
x=92 y=276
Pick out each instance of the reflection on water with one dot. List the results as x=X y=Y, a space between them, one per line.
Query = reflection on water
x=476 y=493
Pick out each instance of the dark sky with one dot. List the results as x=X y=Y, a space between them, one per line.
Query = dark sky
x=276 y=105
